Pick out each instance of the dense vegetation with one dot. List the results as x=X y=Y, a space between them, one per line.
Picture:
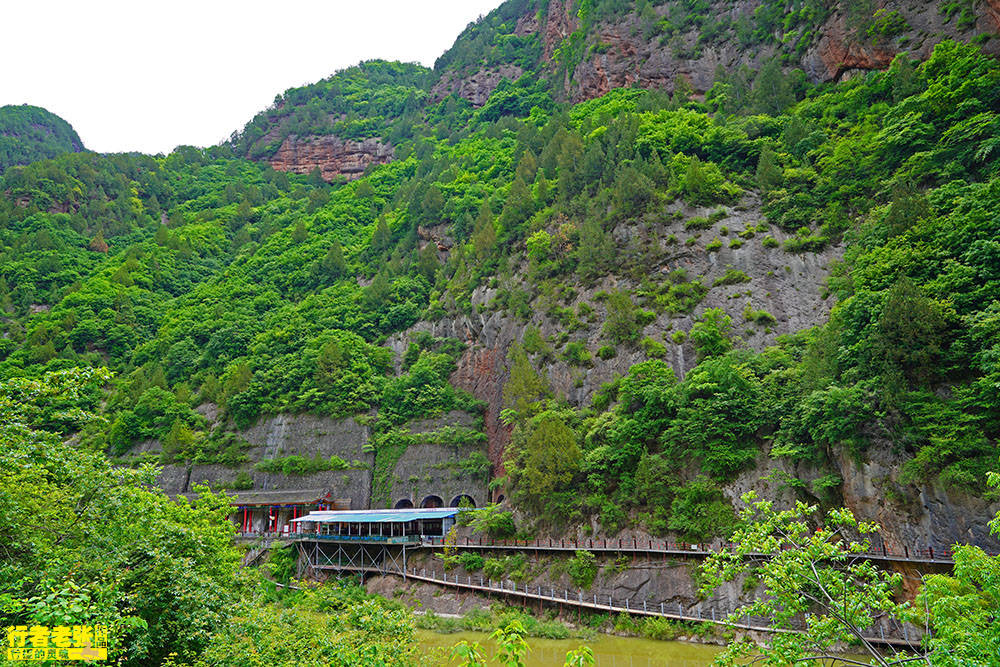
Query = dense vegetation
x=203 y=278
x=368 y=100
x=206 y=280
x=29 y=134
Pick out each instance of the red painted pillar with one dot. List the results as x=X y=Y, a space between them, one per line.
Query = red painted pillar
x=244 y=519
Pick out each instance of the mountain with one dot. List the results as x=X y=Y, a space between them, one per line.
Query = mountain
x=612 y=309
x=29 y=134
x=339 y=125
x=587 y=47
x=623 y=310
x=538 y=51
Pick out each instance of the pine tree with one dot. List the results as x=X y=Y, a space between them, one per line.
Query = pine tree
x=178 y=441
x=695 y=184
x=771 y=92
x=333 y=263
x=525 y=386
x=682 y=92
x=484 y=234
x=382 y=236
x=427 y=261
x=769 y=172
x=527 y=166
x=329 y=364
x=210 y=389
x=519 y=206
x=595 y=251
x=299 y=232
x=161 y=235
x=97 y=244
x=433 y=205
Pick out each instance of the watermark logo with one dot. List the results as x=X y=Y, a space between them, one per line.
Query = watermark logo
x=59 y=642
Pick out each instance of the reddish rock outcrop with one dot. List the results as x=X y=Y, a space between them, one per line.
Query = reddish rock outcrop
x=991 y=12
x=334 y=156
x=560 y=21
x=483 y=372
x=839 y=50
x=629 y=55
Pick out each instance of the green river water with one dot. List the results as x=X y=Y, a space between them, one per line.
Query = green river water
x=609 y=651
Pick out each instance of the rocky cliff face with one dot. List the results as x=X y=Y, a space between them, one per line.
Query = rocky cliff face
x=787 y=285
x=619 y=52
x=333 y=156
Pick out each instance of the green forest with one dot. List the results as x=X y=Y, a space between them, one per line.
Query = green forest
x=135 y=289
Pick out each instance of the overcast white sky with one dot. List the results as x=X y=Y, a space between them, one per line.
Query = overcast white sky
x=149 y=75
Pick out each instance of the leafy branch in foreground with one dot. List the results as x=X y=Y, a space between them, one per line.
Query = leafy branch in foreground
x=819 y=593
x=511 y=649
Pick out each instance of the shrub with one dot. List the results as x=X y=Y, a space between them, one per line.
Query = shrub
x=493 y=568
x=678 y=336
x=607 y=352
x=805 y=241
x=471 y=561
x=731 y=277
x=735 y=243
x=582 y=569
x=493 y=521
x=697 y=222
x=653 y=349
x=576 y=354
x=758 y=316
x=700 y=510
x=714 y=244
x=300 y=465
x=769 y=242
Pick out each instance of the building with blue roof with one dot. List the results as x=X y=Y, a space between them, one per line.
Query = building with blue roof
x=366 y=540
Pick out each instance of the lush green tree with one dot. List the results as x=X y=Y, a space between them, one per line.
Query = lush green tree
x=812 y=578
x=525 y=386
x=160 y=574
x=710 y=334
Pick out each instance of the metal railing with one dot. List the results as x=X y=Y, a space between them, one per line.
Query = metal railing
x=894 y=633
x=882 y=552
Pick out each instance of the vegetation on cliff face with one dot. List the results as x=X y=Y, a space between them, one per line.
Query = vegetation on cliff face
x=29 y=134
x=368 y=100
x=210 y=284
x=202 y=278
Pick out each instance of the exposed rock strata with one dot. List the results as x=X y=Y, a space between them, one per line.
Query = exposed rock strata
x=628 y=57
x=333 y=156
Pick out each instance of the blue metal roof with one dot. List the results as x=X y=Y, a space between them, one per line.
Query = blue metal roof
x=379 y=516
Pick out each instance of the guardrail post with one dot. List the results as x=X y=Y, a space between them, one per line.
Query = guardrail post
x=626 y=604
x=644 y=605
x=713 y=613
x=930 y=550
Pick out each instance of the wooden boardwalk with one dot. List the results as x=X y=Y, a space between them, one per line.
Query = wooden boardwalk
x=640 y=608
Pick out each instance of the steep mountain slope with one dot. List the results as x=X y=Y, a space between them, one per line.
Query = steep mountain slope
x=617 y=313
x=338 y=126
x=29 y=134
x=587 y=47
